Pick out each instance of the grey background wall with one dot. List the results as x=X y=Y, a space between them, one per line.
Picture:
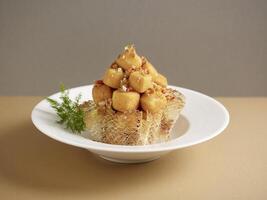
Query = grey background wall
x=215 y=46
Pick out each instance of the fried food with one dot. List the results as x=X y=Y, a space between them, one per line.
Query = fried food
x=113 y=77
x=140 y=82
x=132 y=105
x=153 y=102
x=161 y=80
x=129 y=58
x=125 y=101
x=101 y=92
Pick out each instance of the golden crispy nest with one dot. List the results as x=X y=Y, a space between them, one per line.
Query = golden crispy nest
x=132 y=128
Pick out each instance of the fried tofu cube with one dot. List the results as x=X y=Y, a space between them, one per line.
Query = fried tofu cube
x=101 y=92
x=140 y=82
x=129 y=58
x=113 y=77
x=129 y=61
x=151 y=70
x=153 y=102
x=125 y=101
x=161 y=80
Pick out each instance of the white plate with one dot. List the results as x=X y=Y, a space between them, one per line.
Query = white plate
x=202 y=119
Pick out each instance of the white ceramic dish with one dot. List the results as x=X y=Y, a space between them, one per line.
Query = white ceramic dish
x=202 y=119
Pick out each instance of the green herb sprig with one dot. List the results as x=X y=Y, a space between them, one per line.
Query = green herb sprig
x=68 y=111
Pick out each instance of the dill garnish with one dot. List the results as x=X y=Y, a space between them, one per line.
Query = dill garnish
x=68 y=111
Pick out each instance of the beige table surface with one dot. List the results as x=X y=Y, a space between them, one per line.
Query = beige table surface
x=231 y=166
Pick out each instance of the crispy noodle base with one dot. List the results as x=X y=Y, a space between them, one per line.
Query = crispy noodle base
x=135 y=128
